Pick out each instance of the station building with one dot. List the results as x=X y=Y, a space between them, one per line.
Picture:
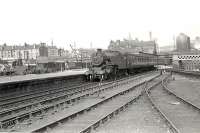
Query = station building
x=133 y=46
x=187 y=62
x=185 y=57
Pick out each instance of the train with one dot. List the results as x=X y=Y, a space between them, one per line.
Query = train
x=106 y=64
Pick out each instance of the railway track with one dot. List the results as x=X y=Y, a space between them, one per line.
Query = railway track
x=9 y=102
x=182 y=115
x=92 y=117
x=45 y=96
x=162 y=114
x=18 y=114
x=141 y=117
x=41 y=89
x=123 y=97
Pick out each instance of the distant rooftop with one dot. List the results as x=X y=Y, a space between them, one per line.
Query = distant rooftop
x=23 y=47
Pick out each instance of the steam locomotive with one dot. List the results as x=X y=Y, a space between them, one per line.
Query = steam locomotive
x=108 y=64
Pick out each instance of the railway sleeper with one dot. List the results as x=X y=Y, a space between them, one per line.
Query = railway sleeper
x=169 y=123
x=42 y=98
x=111 y=115
x=88 y=130
x=104 y=119
x=121 y=109
x=96 y=125
x=117 y=111
x=89 y=109
x=49 y=91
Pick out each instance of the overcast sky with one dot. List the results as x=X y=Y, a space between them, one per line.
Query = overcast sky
x=96 y=21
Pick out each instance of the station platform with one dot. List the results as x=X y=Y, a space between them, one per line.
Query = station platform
x=14 y=85
x=29 y=77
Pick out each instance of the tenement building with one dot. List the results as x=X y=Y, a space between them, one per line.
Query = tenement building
x=28 y=52
x=133 y=46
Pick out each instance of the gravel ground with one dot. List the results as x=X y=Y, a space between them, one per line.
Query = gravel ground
x=138 y=118
x=81 y=105
x=187 y=87
x=185 y=118
x=83 y=121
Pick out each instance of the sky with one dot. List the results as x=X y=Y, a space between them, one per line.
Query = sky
x=96 y=22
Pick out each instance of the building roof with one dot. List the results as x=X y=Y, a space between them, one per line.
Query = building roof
x=52 y=47
x=18 y=47
x=133 y=46
x=51 y=59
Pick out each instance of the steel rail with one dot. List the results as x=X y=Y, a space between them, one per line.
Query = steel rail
x=112 y=114
x=14 y=118
x=157 y=108
x=48 y=92
x=41 y=94
x=179 y=97
x=62 y=96
x=31 y=92
x=103 y=119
